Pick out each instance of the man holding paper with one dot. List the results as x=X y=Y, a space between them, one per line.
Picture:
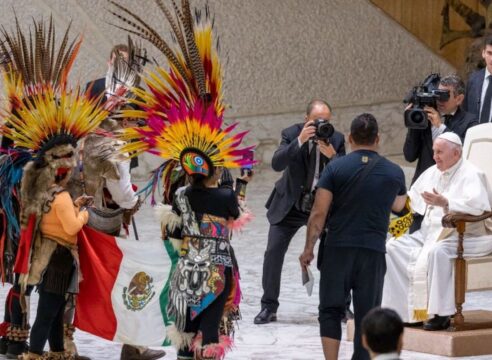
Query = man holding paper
x=361 y=188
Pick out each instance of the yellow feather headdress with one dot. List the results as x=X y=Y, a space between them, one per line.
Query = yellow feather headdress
x=184 y=104
x=42 y=112
x=48 y=118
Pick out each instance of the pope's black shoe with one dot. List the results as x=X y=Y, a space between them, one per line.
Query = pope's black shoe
x=438 y=323
x=265 y=316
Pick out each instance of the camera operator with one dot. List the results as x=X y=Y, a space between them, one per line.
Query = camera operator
x=447 y=117
x=303 y=152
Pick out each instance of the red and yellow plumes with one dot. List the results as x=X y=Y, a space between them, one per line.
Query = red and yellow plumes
x=49 y=114
x=189 y=131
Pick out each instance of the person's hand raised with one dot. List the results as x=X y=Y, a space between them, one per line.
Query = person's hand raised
x=433 y=115
x=308 y=131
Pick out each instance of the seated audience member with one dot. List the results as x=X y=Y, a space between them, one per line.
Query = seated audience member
x=382 y=334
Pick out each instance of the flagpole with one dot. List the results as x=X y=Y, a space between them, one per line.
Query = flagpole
x=134 y=225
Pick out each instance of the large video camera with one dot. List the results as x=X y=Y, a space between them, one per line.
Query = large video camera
x=426 y=94
x=324 y=130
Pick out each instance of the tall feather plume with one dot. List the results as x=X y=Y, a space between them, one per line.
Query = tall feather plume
x=176 y=28
x=198 y=73
x=183 y=109
x=196 y=64
x=35 y=57
x=149 y=34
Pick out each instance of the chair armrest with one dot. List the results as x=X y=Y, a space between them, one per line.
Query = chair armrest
x=451 y=220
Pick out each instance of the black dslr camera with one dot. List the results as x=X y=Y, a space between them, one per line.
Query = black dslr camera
x=426 y=94
x=324 y=130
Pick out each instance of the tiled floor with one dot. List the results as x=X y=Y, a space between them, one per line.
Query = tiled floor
x=295 y=335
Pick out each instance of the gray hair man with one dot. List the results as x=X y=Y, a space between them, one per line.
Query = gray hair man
x=427 y=290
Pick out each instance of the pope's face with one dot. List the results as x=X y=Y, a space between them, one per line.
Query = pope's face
x=445 y=154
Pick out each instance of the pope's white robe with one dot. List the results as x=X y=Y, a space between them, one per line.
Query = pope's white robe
x=420 y=266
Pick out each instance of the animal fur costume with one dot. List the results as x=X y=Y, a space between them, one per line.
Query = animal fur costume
x=48 y=124
x=26 y=71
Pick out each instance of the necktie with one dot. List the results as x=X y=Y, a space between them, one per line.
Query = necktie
x=447 y=119
x=485 y=113
x=311 y=170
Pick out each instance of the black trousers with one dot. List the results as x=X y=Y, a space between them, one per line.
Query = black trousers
x=208 y=322
x=279 y=237
x=342 y=270
x=48 y=325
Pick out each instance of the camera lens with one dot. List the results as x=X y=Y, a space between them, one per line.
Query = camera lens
x=417 y=117
x=325 y=130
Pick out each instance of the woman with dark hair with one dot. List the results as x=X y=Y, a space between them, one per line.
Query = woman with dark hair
x=202 y=297
x=204 y=287
x=184 y=111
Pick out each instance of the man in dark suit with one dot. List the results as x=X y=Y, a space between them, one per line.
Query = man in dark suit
x=288 y=205
x=478 y=97
x=382 y=334
x=449 y=116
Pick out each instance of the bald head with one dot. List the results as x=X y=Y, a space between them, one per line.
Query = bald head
x=446 y=153
x=318 y=109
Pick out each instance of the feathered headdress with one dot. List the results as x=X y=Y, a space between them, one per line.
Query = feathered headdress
x=43 y=116
x=34 y=61
x=184 y=105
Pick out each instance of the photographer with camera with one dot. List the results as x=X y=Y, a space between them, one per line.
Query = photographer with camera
x=304 y=151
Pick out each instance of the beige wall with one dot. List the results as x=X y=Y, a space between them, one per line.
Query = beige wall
x=277 y=54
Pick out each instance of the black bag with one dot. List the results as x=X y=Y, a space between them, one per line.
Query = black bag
x=347 y=195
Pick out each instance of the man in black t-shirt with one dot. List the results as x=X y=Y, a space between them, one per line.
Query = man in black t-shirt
x=362 y=188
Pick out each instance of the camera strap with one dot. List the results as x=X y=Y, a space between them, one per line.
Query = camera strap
x=347 y=195
x=311 y=166
x=351 y=189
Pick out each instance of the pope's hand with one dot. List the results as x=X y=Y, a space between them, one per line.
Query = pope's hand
x=435 y=199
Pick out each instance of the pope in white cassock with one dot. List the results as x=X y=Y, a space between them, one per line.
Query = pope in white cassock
x=419 y=282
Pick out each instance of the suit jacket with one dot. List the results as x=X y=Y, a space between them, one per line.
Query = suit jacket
x=293 y=160
x=473 y=92
x=418 y=143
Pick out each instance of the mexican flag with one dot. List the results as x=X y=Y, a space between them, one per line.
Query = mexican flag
x=123 y=292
